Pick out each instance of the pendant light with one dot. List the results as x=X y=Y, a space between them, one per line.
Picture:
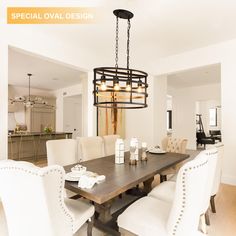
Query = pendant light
x=30 y=101
x=117 y=87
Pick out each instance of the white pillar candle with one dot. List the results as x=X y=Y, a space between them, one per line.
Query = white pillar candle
x=144 y=144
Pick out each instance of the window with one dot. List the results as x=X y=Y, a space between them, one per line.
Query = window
x=213 y=117
x=169 y=119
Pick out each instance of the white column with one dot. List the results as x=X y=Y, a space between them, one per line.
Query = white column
x=184 y=116
x=228 y=86
x=3 y=100
x=160 y=109
x=59 y=113
x=89 y=111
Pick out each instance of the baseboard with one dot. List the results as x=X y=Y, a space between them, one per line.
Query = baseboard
x=228 y=179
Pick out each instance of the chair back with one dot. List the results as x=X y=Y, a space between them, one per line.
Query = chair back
x=214 y=132
x=218 y=171
x=62 y=152
x=176 y=145
x=91 y=147
x=213 y=161
x=109 y=144
x=189 y=195
x=32 y=199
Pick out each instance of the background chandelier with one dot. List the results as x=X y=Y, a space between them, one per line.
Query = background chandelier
x=116 y=87
x=31 y=101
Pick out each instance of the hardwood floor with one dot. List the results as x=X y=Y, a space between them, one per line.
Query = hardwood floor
x=223 y=223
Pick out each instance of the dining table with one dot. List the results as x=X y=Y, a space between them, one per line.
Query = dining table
x=120 y=178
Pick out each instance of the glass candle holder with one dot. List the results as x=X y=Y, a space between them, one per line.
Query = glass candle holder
x=132 y=160
x=144 y=152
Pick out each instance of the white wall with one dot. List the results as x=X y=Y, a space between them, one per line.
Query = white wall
x=72 y=115
x=168 y=101
x=60 y=94
x=149 y=124
x=184 y=109
x=159 y=109
x=88 y=110
x=225 y=54
x=3 y=99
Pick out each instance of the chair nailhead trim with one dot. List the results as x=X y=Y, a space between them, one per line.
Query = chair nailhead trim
x=61 y=203
x=184 y=196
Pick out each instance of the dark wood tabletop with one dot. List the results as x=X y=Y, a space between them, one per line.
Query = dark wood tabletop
x=121 y=177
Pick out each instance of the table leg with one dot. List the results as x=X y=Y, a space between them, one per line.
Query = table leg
x=148 y=185
x=104 y=211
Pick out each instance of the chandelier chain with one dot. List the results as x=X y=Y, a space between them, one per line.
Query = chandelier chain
x=128 y=41
x=117 y=42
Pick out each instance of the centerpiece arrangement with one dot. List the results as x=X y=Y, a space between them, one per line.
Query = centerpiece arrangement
x=48 y=129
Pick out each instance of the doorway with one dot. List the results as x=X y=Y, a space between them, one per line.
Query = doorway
x=72 y=115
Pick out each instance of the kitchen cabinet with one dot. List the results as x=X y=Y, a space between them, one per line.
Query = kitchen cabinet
x=38 y=118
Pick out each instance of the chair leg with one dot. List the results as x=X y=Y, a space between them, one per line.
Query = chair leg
x=213 y=206
x=163 y=178
x=90 y=226
x=203 y=224
x=207 y=218
x=124 y=232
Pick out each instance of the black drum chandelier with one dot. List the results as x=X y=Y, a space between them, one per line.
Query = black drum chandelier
x=116 y=87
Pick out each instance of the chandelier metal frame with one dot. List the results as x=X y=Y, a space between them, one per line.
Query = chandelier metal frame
x=117 y=87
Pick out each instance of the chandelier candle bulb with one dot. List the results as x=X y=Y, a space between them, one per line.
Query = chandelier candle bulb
x=103 y=86
x=117 y=87
x=128 y=87
x=119 y=151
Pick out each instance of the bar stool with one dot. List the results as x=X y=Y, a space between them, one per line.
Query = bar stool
x=41 y=144
x=13 y=148
x=27 y=140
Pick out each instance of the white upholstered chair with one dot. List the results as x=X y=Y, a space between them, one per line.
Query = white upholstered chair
x=152 y=216
x=33 y=201
x=218 y=172
x=109 y=144
x=91 y=147
x=62 y=152
x=216 y=184
x=176 y=145
x=166 y=190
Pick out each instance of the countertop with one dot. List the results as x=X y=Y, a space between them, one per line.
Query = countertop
x=36 y=134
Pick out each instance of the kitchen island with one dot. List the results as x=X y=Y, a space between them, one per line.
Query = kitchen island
x=31 y=146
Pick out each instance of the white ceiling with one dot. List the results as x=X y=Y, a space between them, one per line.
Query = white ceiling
x=159 y=28
x=195 y=77
x=47 y=74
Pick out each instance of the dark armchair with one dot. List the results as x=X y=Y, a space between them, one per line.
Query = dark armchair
x=202 y=139
x=216 y=134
